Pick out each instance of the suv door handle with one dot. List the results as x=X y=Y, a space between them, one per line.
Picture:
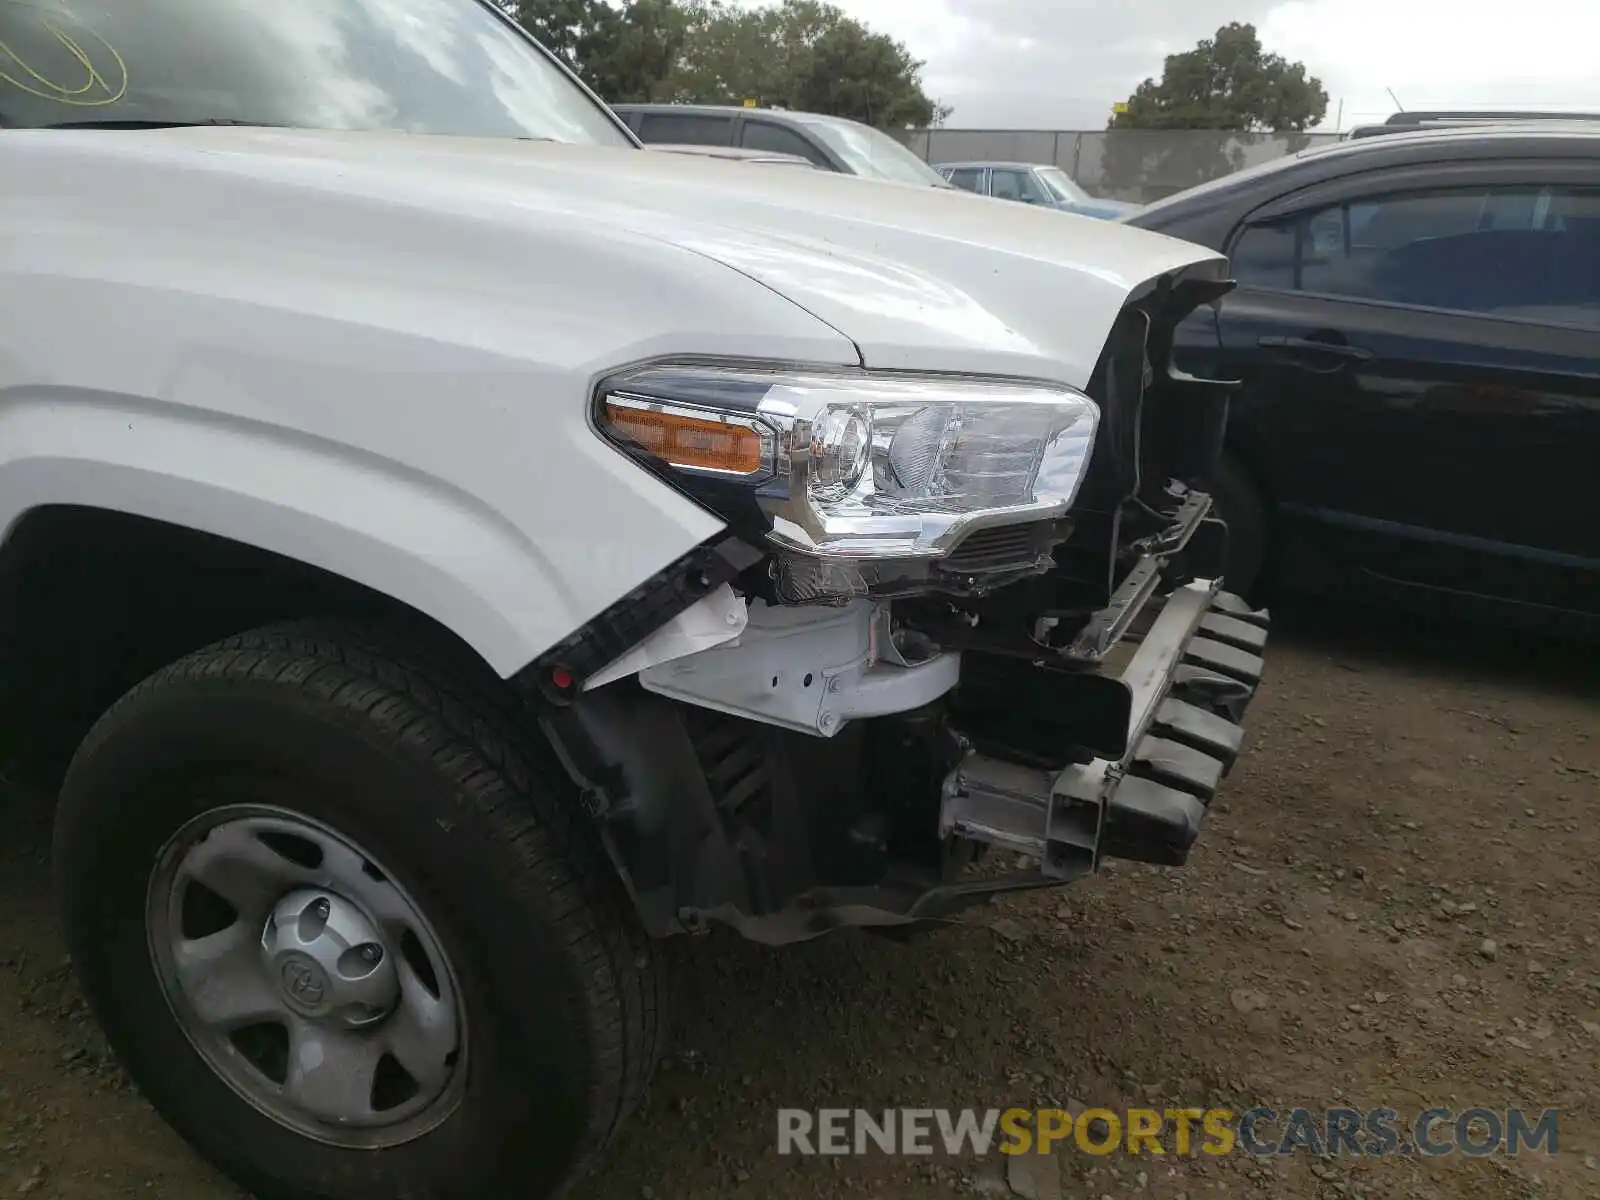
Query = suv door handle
x=1313 y=346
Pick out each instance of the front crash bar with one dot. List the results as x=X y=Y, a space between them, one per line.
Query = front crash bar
x=1191 y=678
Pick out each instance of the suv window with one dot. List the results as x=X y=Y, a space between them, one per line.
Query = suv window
x=1530 y=252
x=1017 y=185
x=765 y=135
x=970 y=178
x=686 y=129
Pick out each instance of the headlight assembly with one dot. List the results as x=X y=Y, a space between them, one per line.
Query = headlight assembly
x=853 y=466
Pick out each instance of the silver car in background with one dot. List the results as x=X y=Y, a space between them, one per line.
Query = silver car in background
x=1042 y=184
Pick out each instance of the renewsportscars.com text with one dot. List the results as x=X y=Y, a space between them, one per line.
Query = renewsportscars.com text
x=1377 y=1132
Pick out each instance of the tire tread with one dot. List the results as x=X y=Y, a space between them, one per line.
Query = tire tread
x=466 y=726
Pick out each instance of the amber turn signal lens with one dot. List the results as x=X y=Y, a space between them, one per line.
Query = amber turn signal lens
x=699 y=443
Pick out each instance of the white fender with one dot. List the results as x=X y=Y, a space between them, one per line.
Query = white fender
x=390 y=387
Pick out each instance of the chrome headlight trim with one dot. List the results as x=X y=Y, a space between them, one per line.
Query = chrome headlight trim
x=1031 y=440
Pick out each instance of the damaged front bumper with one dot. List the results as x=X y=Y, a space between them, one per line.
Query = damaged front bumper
x=1190 y=677
x=803 y=775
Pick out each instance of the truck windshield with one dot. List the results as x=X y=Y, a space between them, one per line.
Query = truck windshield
x=871 y=152
x=417 y=66
x=1062 y=185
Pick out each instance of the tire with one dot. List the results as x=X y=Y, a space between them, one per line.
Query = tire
x=1238 y=502
x=422 y=770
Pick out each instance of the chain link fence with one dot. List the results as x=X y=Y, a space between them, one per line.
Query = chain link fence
x=1132 y=164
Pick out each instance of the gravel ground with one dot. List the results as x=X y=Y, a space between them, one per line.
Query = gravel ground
x=1393 y=905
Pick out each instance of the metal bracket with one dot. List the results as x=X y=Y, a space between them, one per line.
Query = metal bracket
x=1106 y=628
x=810 y=669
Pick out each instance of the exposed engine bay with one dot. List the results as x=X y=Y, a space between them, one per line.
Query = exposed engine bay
x=936 y=628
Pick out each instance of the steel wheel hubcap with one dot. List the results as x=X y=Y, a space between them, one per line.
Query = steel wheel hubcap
x=306 y=977
x=329 y=960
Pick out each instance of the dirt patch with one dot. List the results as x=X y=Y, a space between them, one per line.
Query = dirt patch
x=1394 y=904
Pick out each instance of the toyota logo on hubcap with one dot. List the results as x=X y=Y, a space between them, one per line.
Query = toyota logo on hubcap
x=304 y=981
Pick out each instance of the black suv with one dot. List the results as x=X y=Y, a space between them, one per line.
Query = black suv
x=1401 y=121
x=831 y=143
x=1416 y=332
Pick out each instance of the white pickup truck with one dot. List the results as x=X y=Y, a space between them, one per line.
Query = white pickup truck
x=449 y=549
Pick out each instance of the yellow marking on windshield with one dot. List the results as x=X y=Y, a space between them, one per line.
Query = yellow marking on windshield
x=48 y=89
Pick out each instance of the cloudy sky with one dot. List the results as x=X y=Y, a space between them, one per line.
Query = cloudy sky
x=1060 y=64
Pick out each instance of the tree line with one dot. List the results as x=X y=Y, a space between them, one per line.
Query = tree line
x=810 y=56
x=798 y=54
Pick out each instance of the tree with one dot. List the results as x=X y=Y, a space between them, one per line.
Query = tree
x=559 y=24
x=731 y=55
x=1227 y=82
x=1227 y=85
x=799 y=54
x=623 y=53
x=628 y=53
x=852 y=72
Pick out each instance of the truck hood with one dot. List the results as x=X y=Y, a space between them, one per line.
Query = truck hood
x=916 y=277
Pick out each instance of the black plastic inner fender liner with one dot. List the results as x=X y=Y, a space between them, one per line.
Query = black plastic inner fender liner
x=713 y=817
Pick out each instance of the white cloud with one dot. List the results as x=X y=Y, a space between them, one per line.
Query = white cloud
x=1465 y=54
x=1060 y=64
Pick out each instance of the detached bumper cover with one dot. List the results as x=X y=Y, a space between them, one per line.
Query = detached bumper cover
x=1192 y=676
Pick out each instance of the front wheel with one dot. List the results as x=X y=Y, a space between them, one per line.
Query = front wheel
x=345 y=928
